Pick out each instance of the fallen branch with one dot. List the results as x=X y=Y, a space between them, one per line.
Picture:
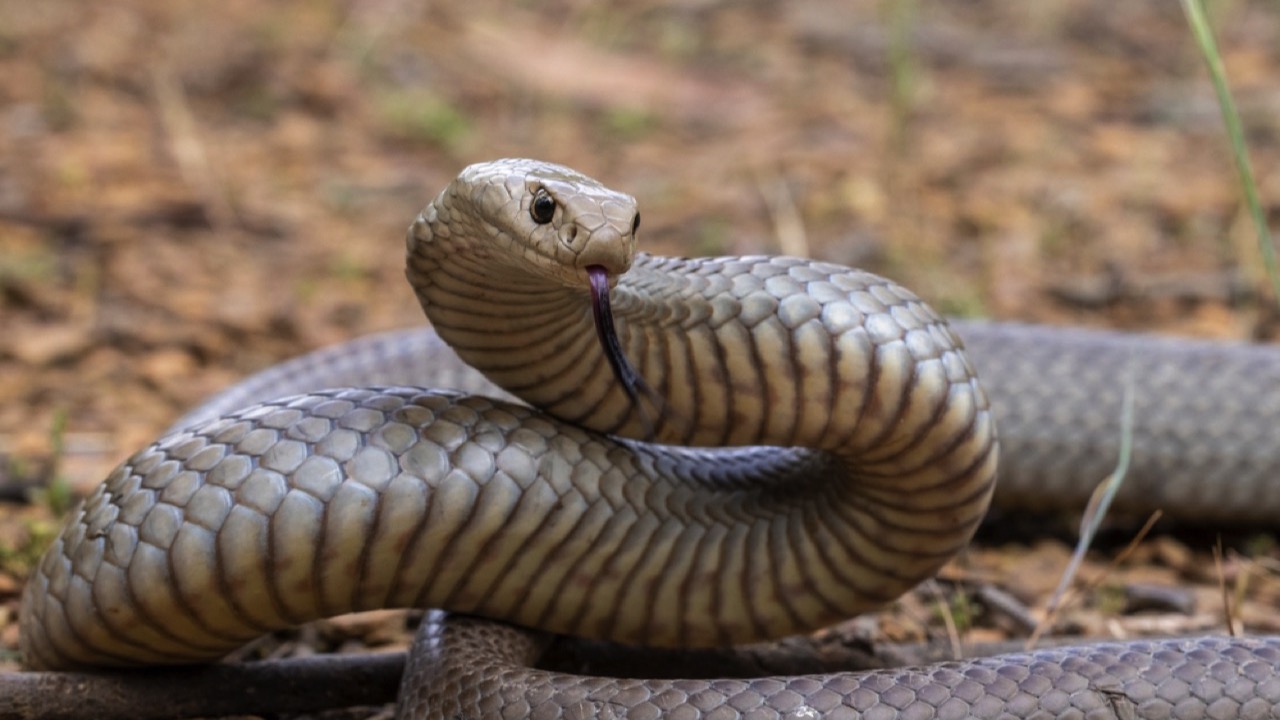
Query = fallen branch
x=269 y=687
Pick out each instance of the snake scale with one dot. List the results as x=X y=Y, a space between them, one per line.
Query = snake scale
x=723 y=450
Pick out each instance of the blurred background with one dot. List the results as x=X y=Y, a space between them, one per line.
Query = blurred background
x=191 y=191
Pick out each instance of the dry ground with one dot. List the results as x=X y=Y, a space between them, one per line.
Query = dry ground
x=193 y=191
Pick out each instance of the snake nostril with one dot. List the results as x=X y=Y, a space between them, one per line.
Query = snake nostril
x=570 y=234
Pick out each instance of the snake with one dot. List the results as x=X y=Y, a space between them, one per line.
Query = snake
x=592 y=441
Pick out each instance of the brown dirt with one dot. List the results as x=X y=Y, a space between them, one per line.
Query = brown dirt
x=190 y=192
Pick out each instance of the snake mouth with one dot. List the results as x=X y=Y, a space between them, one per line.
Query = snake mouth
x=623 y=371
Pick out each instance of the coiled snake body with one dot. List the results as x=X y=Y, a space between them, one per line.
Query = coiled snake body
x=820 y=445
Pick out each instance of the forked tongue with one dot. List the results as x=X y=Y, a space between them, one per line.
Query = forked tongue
x=632 y=383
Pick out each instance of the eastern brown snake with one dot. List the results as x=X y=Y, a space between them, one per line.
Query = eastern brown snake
x=865 y=458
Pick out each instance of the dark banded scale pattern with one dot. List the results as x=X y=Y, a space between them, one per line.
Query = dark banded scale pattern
x=358 y=499
x=869 y=458
x=1206 y=448
x=771 y=541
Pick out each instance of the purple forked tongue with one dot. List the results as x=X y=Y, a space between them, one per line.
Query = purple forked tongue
x=631 y=381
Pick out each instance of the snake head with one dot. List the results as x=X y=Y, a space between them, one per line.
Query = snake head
x=547 y=219
x=522 y=223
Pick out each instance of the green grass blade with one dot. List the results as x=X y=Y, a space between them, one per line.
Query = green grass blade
x=1199 y=23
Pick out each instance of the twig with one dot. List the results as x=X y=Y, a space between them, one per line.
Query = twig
x=179 y=123
x=949 y=622
x=788 y=225
x=1070 y=595
x=1099 y=503
x=1222 y=587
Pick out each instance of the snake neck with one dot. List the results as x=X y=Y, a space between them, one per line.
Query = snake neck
x=532 y=335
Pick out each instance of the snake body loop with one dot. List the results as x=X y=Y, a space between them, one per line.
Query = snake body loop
x=822 y=445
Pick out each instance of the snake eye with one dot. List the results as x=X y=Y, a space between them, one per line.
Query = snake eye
x=543 y=208
x=635 y=224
